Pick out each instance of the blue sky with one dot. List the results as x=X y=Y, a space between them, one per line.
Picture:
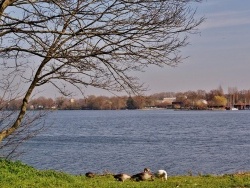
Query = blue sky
x=218 y=56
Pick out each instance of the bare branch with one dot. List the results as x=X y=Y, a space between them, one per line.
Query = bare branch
x=91 y=43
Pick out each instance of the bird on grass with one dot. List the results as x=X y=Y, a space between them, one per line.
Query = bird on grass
x=122 y=177
x=145 y=175
x=162 y=174
x=90 y=174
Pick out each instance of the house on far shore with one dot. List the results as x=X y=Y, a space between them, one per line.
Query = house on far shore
x=177 y=105
x=241 y=106
x=168 y=101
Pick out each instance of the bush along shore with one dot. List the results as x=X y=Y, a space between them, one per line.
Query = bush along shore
x=17 y=174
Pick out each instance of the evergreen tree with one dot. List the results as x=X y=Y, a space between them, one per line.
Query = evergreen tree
x=131 y=103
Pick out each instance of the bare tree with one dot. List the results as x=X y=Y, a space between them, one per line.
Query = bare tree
x=90 y=42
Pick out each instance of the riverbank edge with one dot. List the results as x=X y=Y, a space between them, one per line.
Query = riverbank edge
x=18 y=174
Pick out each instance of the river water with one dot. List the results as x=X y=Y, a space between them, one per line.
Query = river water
x=207 y=142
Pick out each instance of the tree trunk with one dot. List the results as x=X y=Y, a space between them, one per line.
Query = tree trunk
x=5 y=133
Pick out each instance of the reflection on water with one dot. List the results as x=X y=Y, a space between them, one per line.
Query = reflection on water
x=128 y=141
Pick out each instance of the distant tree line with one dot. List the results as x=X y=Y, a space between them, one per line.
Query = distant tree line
x=199 y=99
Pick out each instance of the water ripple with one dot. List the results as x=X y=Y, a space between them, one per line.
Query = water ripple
x=118 y=141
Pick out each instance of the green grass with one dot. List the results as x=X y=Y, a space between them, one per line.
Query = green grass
x=19 y=175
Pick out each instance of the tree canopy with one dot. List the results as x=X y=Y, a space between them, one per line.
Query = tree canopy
x=89 y=42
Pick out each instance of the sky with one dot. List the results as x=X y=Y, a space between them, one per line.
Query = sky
x=219 y=55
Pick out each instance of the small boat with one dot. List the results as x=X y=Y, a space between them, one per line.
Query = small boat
x=234 y=108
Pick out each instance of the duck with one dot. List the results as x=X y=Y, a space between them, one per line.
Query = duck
x=162 y=174
x=90 y=174
x=145 y=175
x=122 y=177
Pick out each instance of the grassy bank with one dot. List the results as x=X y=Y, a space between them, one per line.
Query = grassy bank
x=16 y=174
